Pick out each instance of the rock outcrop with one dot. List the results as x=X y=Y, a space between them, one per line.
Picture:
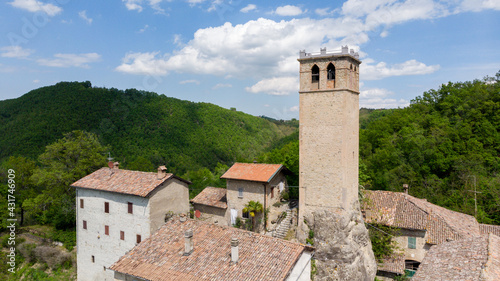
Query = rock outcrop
x=343 y=247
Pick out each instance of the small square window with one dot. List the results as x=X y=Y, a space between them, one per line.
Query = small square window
x=106 y=229
x=240 y=192
x=245 y=215
x=106 y=207
x=81 y=203
x=84 y=224
x=122 y=235
x=130 y=208
x=412 y=242
x=138 y=238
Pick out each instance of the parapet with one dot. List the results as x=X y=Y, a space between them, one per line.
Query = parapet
x=323 y=53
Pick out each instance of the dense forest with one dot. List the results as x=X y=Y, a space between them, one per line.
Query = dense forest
x=445 y=145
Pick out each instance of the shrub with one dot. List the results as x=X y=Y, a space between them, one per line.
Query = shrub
x=27 y=251
x=285 y=195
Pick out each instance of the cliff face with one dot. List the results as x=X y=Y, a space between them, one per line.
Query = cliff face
x=343 y=247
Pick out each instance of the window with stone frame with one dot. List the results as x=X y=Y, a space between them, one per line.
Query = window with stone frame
x=315 y=74
x=412 y=242
x=330 y=72
x=240 y=192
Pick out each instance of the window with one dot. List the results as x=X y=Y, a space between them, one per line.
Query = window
x=240 y=192
x=93 y=259
x=122 y=235
x=106 y=229
x=84 y=224
x=106 y=207
x=245 y=215
x=81 y=203
x=138 y=238
x=330 y=72
x=315 y=74
x=272 y=192
x=412 y=242
x=130 y=208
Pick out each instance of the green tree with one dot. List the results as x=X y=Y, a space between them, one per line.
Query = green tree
x=74 y=156
x=25 y=187
x=253 y=208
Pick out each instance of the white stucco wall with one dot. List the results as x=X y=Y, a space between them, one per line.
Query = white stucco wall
x=302 y=269
x=93 y=241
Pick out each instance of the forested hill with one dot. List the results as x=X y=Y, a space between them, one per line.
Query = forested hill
x=444 y=145
x=142 y=129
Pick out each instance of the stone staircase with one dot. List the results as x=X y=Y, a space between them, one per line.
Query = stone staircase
x=284 y=225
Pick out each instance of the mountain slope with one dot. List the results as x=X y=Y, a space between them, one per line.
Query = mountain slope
x=181 y=134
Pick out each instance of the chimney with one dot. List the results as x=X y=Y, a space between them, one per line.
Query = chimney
x=188 y=242
x=110 y=164
x=162 y=172
x=234 y=250
x=405 y=188
x=116 y=165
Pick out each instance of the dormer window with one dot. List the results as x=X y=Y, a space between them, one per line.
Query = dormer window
x=315 y=74
x=330 y=72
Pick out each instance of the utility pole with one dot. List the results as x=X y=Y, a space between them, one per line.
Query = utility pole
x=475 y=196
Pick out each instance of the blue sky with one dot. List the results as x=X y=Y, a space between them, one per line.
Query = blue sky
x=243 y=54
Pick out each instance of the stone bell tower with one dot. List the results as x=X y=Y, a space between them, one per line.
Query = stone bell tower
x=329 y=151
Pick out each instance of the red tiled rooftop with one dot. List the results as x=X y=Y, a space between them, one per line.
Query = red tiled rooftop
x=252 y=172
x=488 y=228
x=212 y=196
x=160 y=257
x=473 y=258
x=405 y=211
x=123 y=181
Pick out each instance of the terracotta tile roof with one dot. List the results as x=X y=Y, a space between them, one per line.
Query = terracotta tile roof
x=253 y=172
x=405 y=211
x=123 y=181
x=160 y=257
x=212 y=196
x=395 y=264
x=488 y=228
x=474 y=258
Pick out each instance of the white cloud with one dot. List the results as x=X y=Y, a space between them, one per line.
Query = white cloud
x=381 y=70
x=248 y=8
x=36 y=6
x=288 y=10
x=380 y=98
x=221 y=85
x=190 y=82
x=71 y=60
x=294 y=108
x=479 y=5
x=143 y=29
x=324 y=12
x=137 y=5
x=278 y=86
x=36 y=81
x=83 y=15
x=15 y=52
x=259 y=48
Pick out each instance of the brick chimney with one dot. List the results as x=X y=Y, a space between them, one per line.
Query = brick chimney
x=188 y=242
x=162 y=172
x=405 y=188
x=116 y=165
x=234 y=250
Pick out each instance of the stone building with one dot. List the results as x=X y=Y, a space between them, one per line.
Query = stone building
x=329 y=151
x=421 y=226
x=117 y=209
x=263 y=183
x=185 y=249
x=211 y=205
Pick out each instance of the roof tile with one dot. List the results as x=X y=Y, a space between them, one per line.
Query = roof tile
x=160 y=257
x=252 y=172
x=212 y=196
